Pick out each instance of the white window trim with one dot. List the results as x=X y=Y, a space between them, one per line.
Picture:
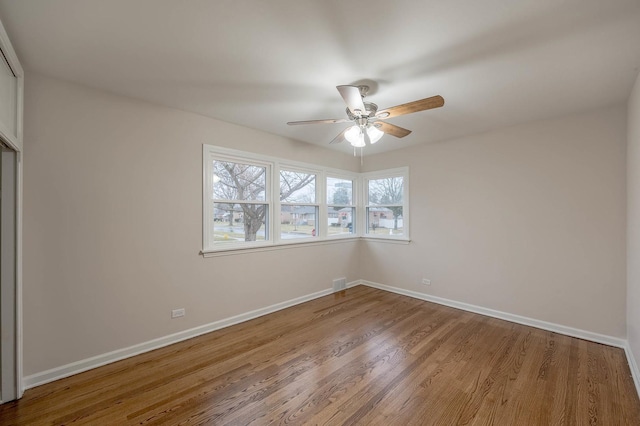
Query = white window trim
x=364 y=203
x=273 y=194
x=218 y=155
x=297 y=167
x=355 y=191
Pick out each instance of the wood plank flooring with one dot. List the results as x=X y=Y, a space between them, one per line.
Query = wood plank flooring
x=362 y=356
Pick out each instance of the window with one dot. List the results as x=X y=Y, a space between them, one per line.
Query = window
x=341 y=210
x=253 y=201
x=298 y=208
x=386 y=212
x=237 y=205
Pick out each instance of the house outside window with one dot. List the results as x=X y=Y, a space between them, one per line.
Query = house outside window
x=237 y=201
x=341 y=211
x=298 y=207
x=252 y=201
x=386 y=203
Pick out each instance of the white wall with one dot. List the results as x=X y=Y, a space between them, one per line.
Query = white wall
x=113 y=226
x=633 y=221
x=528 y=220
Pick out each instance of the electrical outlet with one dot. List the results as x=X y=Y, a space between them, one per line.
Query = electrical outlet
x=426 y=281
x=177 y=313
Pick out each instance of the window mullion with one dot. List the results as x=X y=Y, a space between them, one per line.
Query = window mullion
x=321 y=198
x=229 y=174
x=275 y=189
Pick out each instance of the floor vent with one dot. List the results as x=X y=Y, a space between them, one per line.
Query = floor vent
x=339 y=284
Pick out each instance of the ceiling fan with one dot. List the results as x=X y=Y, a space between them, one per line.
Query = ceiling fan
x=367 y=127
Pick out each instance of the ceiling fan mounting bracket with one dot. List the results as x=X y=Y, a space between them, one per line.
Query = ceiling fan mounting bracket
x=364 y=89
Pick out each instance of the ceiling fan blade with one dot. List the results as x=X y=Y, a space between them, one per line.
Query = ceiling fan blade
x=327 y=121
x=392 y=129
x=408 y=108
x=353 y=99
x=340 y=137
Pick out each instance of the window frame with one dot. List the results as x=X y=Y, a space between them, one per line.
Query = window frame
x=356 y=182
x=365 y=205
x=274 y=166
x=208 y=203
x=297 y=169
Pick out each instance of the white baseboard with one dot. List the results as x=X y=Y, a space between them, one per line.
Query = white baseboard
x=544 y=325
x=633 y=366
x=354 y=283
x=557 y=328
x=117 y=355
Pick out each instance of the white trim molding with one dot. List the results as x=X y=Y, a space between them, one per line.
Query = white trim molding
x=284 y=246
x=544 y=325
x=386 y=240
x=15 y=141
x=273 y=167
x=531 y=322
x=117 y=355
x=120 y=354
x=398 y=172
x=633 y=366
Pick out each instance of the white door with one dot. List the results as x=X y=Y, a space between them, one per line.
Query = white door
x=8 y=378
x=11 y=102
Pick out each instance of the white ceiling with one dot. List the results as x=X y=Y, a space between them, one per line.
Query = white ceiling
x=262 y=63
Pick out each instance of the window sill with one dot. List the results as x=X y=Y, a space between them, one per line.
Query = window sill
x=403 y=241
x=279 y=246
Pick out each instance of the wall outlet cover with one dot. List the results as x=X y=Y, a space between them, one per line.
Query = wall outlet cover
x=177 y=313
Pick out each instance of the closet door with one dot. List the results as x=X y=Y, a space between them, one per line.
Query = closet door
x=11 y=94
x=8 y=301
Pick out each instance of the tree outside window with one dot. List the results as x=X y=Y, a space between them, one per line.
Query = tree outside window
x=341 y=208
x=298 y=208
x=244 y=193
x=240 y=192
x=385 y=205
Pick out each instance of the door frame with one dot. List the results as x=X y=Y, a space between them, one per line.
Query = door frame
x=13 y=140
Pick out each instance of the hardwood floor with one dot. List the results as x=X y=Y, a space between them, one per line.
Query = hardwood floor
x=363 y=356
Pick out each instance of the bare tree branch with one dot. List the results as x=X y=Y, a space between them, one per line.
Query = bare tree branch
x=291 y=182
x=387 y=192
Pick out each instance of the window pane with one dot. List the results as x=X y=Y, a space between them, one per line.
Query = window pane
x=297 y=187
x=339 y=191
x=298 y=222
x=386 y=191
x=239 y=222
x=385 y=220
x=236 y=181
x=340 y=220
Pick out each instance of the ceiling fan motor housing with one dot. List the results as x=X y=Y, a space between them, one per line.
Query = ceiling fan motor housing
x=370 y=108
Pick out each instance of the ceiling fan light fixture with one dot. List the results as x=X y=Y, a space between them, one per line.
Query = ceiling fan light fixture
x=374 y=133
x=355 y=136
x=365 y=129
